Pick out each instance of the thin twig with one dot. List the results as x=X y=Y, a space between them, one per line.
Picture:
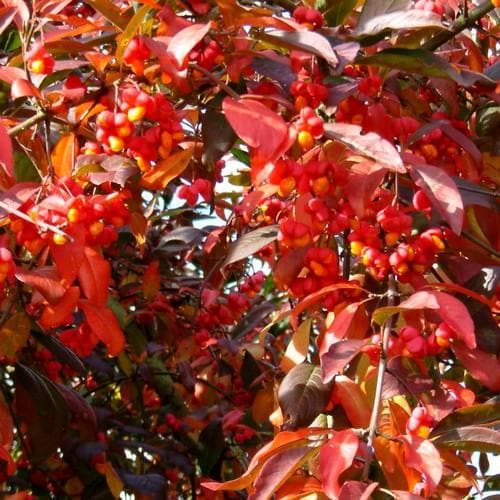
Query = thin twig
x=21 y=127
x=480 y=243
x=212 y=77
x=377 y=403
x=43 y=225
x=462 y=23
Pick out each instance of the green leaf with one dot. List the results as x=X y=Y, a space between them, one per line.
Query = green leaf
x=471 y=438
x=337 y=10
x=24 y=169
x=212 y=446
x=423 y=62
x=480 y=414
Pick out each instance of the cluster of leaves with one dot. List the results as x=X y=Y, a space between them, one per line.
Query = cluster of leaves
x=331 y=332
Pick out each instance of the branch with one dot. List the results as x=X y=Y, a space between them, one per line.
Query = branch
x=21 y=127
x=221 y=84
x=463 y=22
x=377 y=402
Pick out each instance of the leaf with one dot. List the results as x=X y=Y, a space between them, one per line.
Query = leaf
x=45 y=280
x=302 y=394
x=167 y=170
x=404 y=376
x=64 y=154
x=277 y=470
x=357 y=490
x=22 y=15
x=425 y=63
x=94 y=276
x=151 y=484
x=374 y=8
x=82 y=414
x=422 y=455
x=282 y=441
x=40 y=405
x=479 y=414
x=6 y=152
x=69 y=257
x=353 y=400
x=352 y=318
x=442 y=191
x=335 y=457
x=274 y=69
x=151 y=280
x=337 y=11
x=130 y=31
x=339 y=355
x=315 y=297
x=398 y=20
x=470 y=438
x=296 y=351
x=483 y=366
x=451 y=310
x=306 y=41
x=249 y=370
x=104 y=325
x=9 y=74
x=185 y=40
x=260 y=128
x=211 y=441
x=103 y=168
x=111 y=12
x=370 y=144
x=14 y=335
x=250 y=243
x=60 y=312
x=113 y=480
x=21 y=87
x=218 y=136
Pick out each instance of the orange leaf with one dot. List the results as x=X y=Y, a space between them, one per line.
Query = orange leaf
x=296 y=350
x=353 y=400
x=94 y=275
x=64 y=154
x=151 y=280
x=58 y=314
x=167 y=170
x=104 y=325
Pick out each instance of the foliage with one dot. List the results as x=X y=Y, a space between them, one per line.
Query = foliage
x=331 y=331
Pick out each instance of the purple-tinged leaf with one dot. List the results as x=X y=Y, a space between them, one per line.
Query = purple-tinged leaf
x=471 y=438
x=370 y=144
x=339 y=355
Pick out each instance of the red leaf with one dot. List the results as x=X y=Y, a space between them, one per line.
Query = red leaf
x=277 y=470
x=23 y=88
x=422 y=455
x=94 y=275
x=483 y=366
x=69 y=257
x=10 y=74
x=357 y=490
x=104 y=325
x=363 y=179
x=261 y=128
x=184 y=41
x=6 y=154
x=7 y=14
x=335 y=457
x=58 y=314
x=22 y=12
x=313 y=298
x=351 y=316
x=442 y=191
x=151 y=280
x=354 y=401
x=45 y=280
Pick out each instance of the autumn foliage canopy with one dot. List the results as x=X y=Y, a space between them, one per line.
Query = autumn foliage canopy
x=249 y=249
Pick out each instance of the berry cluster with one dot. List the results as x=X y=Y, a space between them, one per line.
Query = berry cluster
x=308 y=94
x=136 y=53
x=308 y=16
x=39 y=60
x=420 y=423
